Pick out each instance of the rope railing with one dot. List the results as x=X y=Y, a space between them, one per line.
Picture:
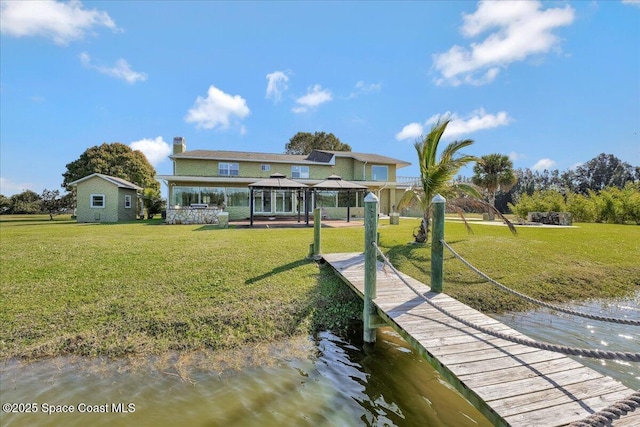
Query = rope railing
x=572 y=351
x=610 y=413
x=536 y=301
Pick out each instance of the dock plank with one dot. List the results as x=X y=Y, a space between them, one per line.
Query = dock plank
x=512 y=384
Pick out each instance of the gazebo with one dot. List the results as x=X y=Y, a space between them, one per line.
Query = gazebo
x=277 y=181
x=335 y=183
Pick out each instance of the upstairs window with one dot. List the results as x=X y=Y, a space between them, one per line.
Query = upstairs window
x=379 y=173
x=228 y=169
x=97 y=201
x=265 y=168
x=300 y=172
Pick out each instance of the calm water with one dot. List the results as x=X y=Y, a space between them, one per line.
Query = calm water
x=336 y=383
x=557 y=328
x=325 y=381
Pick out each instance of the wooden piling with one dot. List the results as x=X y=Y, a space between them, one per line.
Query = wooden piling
x=437 y=249
x=370 y=259
x=317 y=225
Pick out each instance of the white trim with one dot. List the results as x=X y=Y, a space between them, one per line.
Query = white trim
x=104 y=201
x=127 y=201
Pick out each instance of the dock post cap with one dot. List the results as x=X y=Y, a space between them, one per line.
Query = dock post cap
x=371 y=197
x=438 y=199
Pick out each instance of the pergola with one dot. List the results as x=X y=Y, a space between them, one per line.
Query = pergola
x=277 y=181
x=335 y=183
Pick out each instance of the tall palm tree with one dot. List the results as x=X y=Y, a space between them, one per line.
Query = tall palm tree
x=494 y=172
x=436 y=175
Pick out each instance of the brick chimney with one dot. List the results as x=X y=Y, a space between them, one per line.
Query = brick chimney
x=179 y=145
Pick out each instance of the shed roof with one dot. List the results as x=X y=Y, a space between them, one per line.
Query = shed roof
x=119 y=182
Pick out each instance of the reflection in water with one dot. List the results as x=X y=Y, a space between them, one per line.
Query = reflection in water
x=558 y=328
x=338 y=383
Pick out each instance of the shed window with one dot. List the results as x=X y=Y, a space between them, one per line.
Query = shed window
x=127 y=201
x=97 y=201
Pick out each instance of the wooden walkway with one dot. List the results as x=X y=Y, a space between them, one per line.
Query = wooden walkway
x=511 y=384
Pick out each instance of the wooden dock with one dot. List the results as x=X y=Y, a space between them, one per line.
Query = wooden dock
x=511 y=384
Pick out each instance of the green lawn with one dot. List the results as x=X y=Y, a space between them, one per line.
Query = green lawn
x=144 y=287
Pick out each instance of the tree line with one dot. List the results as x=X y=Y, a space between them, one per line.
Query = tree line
x=119 y=160
x=50 y=202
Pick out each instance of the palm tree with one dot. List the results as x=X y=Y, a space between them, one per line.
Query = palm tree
x=494 y=172
x=436 y=175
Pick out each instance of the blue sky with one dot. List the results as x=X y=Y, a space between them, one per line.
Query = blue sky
x=551 y=84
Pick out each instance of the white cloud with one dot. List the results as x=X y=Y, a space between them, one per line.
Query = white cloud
x=121 y=70
x=217 y=109
x=156 y=150
x=410 y=131
x=543 y=164
x=632 y=2
x=513 y=156
x=60 y=22
x=277 y=84
x=314 y=97
x=363 y=88
x=9 y=188
x=477 y=120
x=520 y=29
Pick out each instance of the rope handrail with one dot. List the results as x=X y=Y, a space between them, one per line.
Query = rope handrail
x=572 y=351
x=613 y=412
x=536 y=301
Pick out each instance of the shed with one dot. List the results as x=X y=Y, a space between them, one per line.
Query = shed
x=104 y=198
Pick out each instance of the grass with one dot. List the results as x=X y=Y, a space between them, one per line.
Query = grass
x=145 y=288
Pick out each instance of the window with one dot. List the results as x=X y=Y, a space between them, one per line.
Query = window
x=97 y=201
x=127 y=201
x=228 y=169
x=212 y=196
x=285 y=201
x=237 y=197
x=379 y=173
x=265 y=168
x=262 y=202
x=327 y=199
x=353 y=199
x=299 y=171
x=185 y=196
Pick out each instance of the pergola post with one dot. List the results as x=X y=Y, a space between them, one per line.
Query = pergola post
x=251 y=203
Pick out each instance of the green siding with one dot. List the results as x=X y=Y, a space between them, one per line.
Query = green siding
x=114 y=202
x=349 y=169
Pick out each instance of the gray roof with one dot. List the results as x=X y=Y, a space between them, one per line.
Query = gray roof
x=335 y=182
x=316 y=157
x=370 y=158
x=119 y=182
x=277 y=181
x=244 y=156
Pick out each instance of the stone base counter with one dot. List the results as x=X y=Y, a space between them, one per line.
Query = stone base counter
x=187 y=216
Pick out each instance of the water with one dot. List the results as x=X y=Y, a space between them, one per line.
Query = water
x=325 y=382
x=563 y=329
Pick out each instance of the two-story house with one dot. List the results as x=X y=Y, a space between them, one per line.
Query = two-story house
x=214 y=178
